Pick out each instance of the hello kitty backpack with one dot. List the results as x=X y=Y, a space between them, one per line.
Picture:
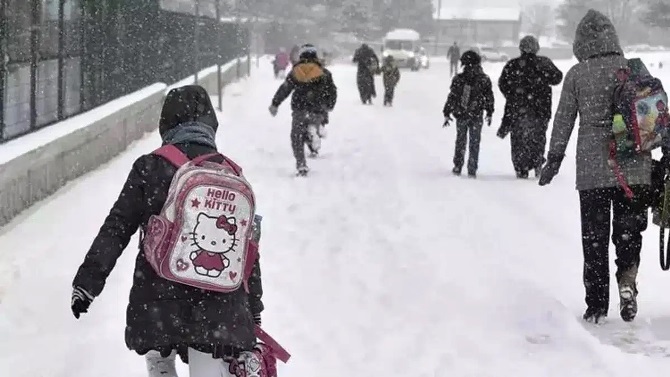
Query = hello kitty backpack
x=203 y=235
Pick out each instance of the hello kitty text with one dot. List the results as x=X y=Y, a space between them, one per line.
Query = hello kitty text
x=217 y=199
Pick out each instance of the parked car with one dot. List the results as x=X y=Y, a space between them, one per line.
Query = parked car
x=491 y=54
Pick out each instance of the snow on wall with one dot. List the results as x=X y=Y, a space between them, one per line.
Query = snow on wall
x=36 y=165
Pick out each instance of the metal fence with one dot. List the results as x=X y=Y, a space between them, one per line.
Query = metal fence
x=63 y=57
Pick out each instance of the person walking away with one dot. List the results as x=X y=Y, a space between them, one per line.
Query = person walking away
x=390 y=76
x=281 y=62
x=588 y=90
x=470 y=97
x=526 y=84
x=208 y=329
x=454 y=55
x=368 y=64
x=314 y=96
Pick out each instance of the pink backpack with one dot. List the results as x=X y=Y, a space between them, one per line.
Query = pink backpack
x=203 y=235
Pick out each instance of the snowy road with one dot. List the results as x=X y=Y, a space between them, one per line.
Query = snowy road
x=380 y=263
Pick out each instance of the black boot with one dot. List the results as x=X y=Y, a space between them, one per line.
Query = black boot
x=456 y=170
x=594 y=315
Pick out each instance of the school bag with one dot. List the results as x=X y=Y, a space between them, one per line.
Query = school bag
x=203 y=234
x=641 y=120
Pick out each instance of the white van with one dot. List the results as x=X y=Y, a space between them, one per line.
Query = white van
x=403 y=45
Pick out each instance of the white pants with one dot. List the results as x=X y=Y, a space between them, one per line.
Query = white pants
x=199 y=365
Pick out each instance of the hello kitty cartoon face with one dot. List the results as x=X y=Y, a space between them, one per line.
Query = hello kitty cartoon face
x=215 y=234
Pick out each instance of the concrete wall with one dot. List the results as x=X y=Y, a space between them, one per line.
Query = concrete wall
x=97 y=136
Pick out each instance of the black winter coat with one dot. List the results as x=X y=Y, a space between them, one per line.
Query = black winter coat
x=482 y=100
x=163 y=315
x=526 y=84
x=312 y=86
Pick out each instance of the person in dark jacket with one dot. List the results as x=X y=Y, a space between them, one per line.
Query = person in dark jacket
x=368 y=65
x=391 y=76
x=163 y=316
x=526 y=84
x=605 y=209
x=314 y=96
x=454 y=55
x=471 y=96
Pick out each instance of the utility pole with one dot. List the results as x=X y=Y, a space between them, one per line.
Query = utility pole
x=437 y=25
x=196 y=47
x=219 y=84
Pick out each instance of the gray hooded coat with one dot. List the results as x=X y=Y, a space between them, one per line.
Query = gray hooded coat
x=587 y=91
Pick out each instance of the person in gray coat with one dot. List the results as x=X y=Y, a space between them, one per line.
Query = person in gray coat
x=587 y=91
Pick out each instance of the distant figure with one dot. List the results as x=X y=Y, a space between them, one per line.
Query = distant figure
x=391 y=76
x=368 y=65
x=281 y=62
x=454 y=54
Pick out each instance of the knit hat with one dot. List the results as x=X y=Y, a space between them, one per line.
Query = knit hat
x=529 y=45
x=471 y=58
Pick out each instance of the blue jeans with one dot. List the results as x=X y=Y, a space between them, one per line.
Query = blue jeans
x=473 y=128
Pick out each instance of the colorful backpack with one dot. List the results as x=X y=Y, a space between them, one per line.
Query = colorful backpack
x=203 y=236
x=641 y=120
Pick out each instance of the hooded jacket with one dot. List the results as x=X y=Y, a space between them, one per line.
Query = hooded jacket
x=312 y=86
x=163 y=315
x=587 y=92
x=482 y=94
x=526 y=84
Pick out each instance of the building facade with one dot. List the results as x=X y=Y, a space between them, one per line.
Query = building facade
x=493 y=26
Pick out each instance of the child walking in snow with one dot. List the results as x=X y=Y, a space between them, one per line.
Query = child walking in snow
x=471 y=96
x=390 y=76
x=208 y=329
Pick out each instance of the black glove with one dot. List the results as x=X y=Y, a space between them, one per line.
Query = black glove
x=550 y=169
x=81 y=300
x=257 y=319
x=489 y=119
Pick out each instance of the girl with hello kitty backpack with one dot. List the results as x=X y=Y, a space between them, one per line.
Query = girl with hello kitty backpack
x=197 y=283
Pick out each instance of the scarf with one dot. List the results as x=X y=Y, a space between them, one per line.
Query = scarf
x=191 y=132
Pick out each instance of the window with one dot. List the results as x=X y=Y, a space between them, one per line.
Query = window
x=72 y=86
x=399 y=45
x=19 y=21
x=71 y=16
x=48 y=30
x=46 y=94
x=17 y=100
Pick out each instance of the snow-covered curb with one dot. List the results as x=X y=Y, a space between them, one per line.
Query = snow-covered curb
x=36 y=165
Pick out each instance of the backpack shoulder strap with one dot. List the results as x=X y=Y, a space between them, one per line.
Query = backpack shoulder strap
x=225 y=160
x=171 y=153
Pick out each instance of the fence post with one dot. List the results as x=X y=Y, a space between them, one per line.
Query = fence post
x=61 y=58
x=219 y=83
x=3 y=68
x=195 y=44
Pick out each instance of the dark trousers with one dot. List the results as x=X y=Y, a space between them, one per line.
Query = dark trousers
x=389 y=93
x=529 y=140
x=629 y=221
x=300 y=134
x=453 y=68
x=473 y=128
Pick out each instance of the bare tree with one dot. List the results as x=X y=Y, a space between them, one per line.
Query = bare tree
x=538 y=18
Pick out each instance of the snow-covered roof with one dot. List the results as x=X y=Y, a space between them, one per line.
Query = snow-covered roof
x=479 y=14
x=403 y=34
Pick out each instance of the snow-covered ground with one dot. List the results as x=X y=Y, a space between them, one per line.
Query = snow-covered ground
x=380 y=263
